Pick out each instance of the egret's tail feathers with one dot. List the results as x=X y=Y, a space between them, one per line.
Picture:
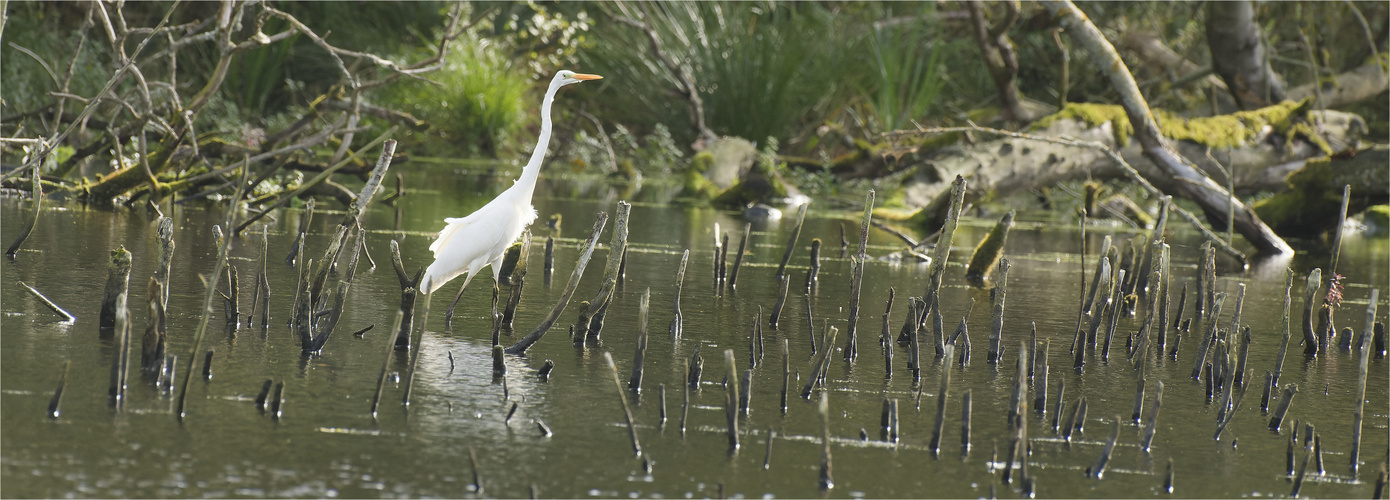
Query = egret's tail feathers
x=436 y=277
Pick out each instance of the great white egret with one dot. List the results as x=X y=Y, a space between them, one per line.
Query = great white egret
x=468 y=244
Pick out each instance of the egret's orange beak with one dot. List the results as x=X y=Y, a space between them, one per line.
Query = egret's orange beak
x=582 y=76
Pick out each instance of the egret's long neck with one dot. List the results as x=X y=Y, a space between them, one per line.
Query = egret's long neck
x=527 y=181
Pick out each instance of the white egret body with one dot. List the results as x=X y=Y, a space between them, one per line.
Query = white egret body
x=468 y=244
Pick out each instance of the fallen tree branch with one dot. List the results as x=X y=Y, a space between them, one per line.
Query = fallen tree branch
x=1206 y=193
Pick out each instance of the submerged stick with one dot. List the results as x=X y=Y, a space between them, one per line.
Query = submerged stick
x=526 y=342
x=791 y=242
x=627 y=411
x=68 y=317
x=781 y=302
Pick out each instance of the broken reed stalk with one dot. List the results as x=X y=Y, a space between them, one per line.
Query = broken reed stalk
x=1059 y=405
x=781 y=302
x=940 y=255
x=677 y=320
x=731 y=396
x=885 y=339
x=1284 y=342
x=1088 y=336
x=635 y=381
x=617 y=246
x=914 y=332
x=1151 y=315
x=827 y=480
x=57 y=399
x=1277 y=420
x=989 y=251
x=499 y=364
x=810 y=324
x=661 y=395
x=549 y=265
x=888 y=421
x=296 y=247
x=786 y=374
x=941 y=396
x=627 y=411
x=685 y=400
x=165 y=235
x=153 y=343
x=1040 y=376
x=694 y=369
x=813 y=274
x=224 y=245
x=277 y=401
x=526 y=342
x=409 y=292
x=1165 y=267
x=260 y=294
x=722 y=268
x=1363 y=366
x=68 y=317
x=738 y=257
x=1210 y=337
x=231 y=301
x=965 y=424
x=1138 y=397
x=385 y=361
x=517 y=279
x=1114 y=310
x=477 y=477
x=857 y=280
x=1310 y=342
x=1098 y=470
x=996 y=325
x=791 y=242
x=117 y=284
x=1151 y=426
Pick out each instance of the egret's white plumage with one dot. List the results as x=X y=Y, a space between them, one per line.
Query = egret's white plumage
x=467 y=244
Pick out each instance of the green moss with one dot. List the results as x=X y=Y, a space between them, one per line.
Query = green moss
x=693 y=181
x=1237 y=129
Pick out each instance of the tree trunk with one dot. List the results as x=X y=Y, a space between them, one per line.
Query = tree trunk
x=1238 y=54
x=1197 y=187
x=998 y=52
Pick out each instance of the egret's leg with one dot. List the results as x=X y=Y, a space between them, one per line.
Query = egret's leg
x=449 y=313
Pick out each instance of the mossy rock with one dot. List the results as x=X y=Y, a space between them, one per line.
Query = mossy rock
x=693 y=182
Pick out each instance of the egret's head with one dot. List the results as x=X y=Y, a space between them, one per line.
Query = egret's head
x=566 y=77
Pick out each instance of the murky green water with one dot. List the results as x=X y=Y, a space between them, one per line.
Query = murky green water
x=327 y=444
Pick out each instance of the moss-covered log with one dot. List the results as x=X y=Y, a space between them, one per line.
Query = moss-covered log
x=1313 y=201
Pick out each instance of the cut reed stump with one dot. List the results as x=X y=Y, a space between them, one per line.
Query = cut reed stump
x=117 y=284
x=627 y=411
x=634 y=382
x=153 y=343
x=676 y=320
x=791 y=242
